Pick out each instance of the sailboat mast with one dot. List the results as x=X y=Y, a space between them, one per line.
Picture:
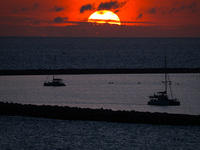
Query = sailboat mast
x=54 y=63
x=165 y=74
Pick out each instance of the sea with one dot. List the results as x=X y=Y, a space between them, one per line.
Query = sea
x=107 y=91
x=18 y=53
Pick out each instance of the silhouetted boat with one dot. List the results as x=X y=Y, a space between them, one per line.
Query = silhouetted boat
x=161 y=98
x=55 y=81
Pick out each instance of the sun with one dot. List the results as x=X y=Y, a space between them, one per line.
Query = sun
x=104 y=16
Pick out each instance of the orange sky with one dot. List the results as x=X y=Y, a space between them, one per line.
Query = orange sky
x=140 y=18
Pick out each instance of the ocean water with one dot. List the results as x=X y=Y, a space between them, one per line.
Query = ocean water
x=19 y=133
x=128 y=92
x=19 y=53
x=83 y=53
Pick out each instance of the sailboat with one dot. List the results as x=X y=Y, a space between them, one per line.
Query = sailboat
x=55 y=81
x=162 y=98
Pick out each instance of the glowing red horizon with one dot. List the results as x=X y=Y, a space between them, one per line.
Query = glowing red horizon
x=64 y=18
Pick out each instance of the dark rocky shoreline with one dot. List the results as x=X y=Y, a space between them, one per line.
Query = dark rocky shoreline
x=74 y=113
x=98 y=71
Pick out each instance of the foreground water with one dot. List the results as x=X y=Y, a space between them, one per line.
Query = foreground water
x=18 y=133
x=127 y=92
x=111 y=91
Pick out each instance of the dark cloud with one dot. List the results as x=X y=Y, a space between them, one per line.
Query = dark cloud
x=139 y=16
x=191 y=7
x=182 y=7
x=24 y=9
x=142 y=12
x=86 y=7
x=177 y=7
x=18 y=20
x=36 y=22
x=60 y=20
x=33 y=7
x=32 y=20
x=152 y=11
x=116 y=11
x=111 y=5
x=173 y=10
x=28 y=18
x=105 y=30
x=57 y=8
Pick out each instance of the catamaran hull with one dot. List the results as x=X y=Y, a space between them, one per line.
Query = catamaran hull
x=54 y=84
x=164 y=103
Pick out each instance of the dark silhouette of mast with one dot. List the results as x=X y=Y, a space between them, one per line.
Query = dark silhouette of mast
x=54 y=65
x=165 y=75
x=167 y=80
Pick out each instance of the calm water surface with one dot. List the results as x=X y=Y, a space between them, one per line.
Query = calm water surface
x=19 y=133
x=83 y=53
x=128 y=91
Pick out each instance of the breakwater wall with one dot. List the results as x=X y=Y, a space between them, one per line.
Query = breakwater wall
x=98 y=71
x=74 y=113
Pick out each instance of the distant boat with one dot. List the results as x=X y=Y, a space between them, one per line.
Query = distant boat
x=55 y=81
x=162 y=98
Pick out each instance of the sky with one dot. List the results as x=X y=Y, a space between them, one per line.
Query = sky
x=68 y=18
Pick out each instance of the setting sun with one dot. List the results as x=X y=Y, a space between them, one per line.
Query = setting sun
x=108 y=18
x=104 y=16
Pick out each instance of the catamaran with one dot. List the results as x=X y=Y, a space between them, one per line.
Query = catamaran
x=162 y=98
x=55 y=81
